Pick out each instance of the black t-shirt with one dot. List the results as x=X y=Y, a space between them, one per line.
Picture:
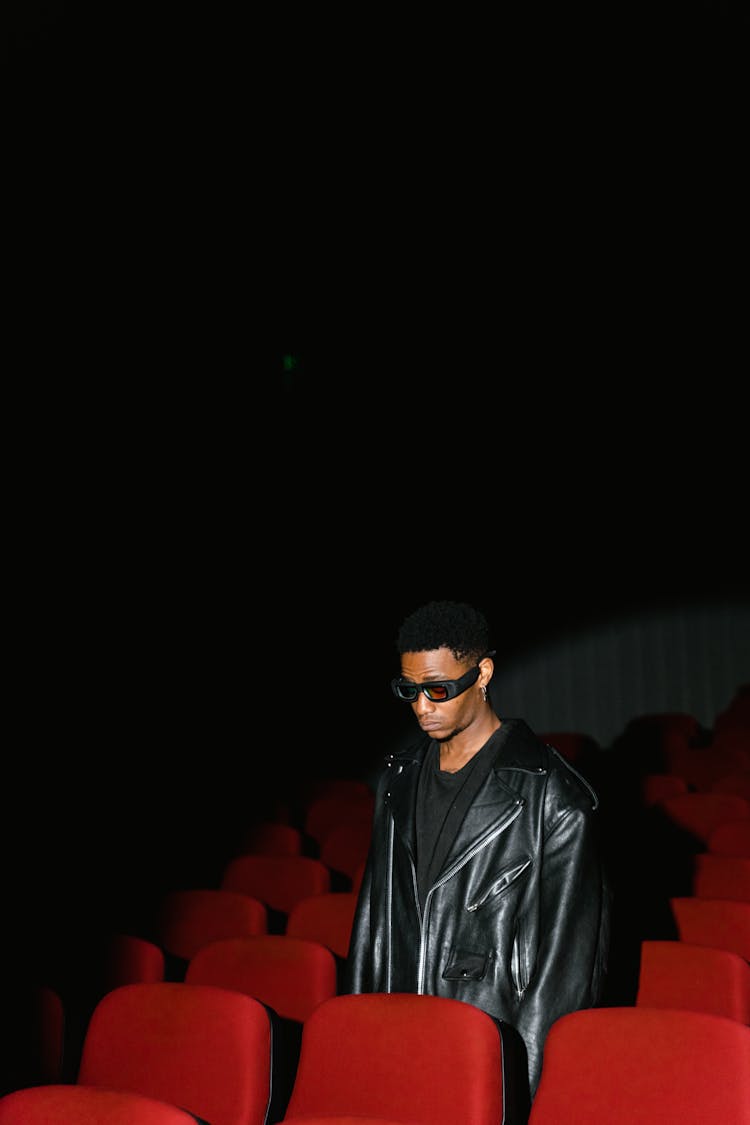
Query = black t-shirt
x=439 y=795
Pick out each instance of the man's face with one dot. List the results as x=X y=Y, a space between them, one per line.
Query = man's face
x=441 y=719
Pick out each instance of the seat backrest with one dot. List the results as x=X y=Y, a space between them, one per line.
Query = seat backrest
x=721 y=876
x=37 y=1046
x=650 y=1065
x=717 y=922
x=346 y=845
x=128 y=959
x=200 y=1047
x=51 y=1029
x=270 y=837
x=189 y=919
x=703 y=767
x=735 y=781
x=330 y=810
x=325 y=918
x=699 y=813
x=732 y=837
x=656 y=786
x=574 y=745
x=680 y=722
x=428 y=1060
x=676 y=974
x=291 y=975
x=87 y=1105
x=279 y=881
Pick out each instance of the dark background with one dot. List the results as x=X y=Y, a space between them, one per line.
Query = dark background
x=507 y=263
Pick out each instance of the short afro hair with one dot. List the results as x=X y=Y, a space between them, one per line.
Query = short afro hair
x=453 y=625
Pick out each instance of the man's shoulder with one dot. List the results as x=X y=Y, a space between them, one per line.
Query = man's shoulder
x=525 y=750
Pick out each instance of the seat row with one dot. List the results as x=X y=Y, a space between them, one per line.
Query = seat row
x=170 y=1053
x=179 y=937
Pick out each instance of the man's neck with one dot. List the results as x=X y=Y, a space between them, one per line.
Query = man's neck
x=457 y=751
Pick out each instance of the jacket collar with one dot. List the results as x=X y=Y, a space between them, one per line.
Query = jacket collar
x=517 y=748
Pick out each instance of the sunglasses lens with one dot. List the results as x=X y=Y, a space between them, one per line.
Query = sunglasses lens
x=409 y=692
x=436 y=693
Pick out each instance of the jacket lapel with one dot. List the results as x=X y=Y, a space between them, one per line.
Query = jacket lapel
x=401 y=793
x=483 y=803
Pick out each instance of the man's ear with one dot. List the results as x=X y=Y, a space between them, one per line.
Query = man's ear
x=487 y=666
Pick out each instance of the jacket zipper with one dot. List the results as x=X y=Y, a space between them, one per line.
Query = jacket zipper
x=449 y=875
x=389 y=903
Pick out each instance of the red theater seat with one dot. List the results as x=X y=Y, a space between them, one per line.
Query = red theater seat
x=732 y=837
x=718 y=922
x=292 y=975
x=269 y=837
x=345 y=847
x=425 y=1060
x=676 y=974
x=653 y=1066
x=721 y=876
x=190 y=919
x=87 y=1105
x=279 y=881
x=129 y=960
x=325 y=918
x=700 y=813
x=203 y=1048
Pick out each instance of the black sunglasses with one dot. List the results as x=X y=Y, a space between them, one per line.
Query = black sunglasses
x=437 y=691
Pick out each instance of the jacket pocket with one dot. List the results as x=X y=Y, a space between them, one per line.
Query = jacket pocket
x=518 y=964
x=465 y=964
x=508 y=877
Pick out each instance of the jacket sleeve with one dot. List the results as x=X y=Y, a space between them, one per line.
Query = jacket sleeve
x=359 y=969
x=574 y=928
x=357 y=976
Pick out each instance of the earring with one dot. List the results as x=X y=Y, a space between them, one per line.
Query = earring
x=484 y=694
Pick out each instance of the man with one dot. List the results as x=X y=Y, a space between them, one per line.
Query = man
x=484 y=880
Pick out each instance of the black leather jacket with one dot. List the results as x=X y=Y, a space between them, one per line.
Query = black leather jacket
x=517 y=922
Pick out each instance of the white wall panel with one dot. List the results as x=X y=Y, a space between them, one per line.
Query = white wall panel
x=689 y=659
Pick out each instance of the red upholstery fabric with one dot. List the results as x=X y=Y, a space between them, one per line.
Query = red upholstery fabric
x=426 y=1060
x=347 y=1119
x=718 y=922
x=192 y=918
x=346 y=845
x=270 y=837
x=732 y=732
x=657 y=786
x=574 y=745
x=328 y=811
x=736 y=781
x=723 y=924
x=325 y=918
x=648 y=1065
x=721 y=876
x=699 y=813
x=130 y=959
x=702 y=767
x=204 y=1048
x=676 y=974
x=280 y=881
x=730 y=838
x=292 y=975
x=86 y=1105
x=49 y=1034
x=358 y=876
